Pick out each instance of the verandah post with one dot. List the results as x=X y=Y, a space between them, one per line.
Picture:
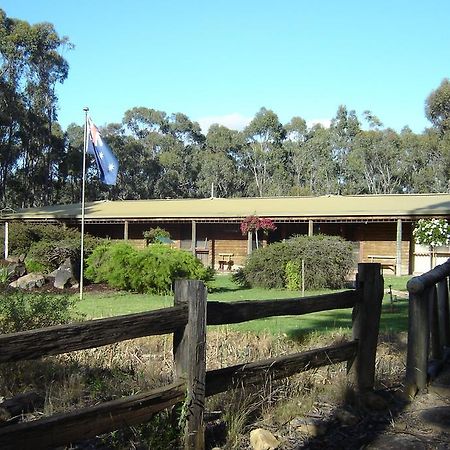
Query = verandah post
x=189 y=350
x=366 y=323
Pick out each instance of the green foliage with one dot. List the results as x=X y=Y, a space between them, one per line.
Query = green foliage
x=152 y=270
x=437 y=106
x=20 y=311
x=47 y=246
x=4 y=275
x=151 y=236
x=23 y=235
x=328 y=260
x=293 y=275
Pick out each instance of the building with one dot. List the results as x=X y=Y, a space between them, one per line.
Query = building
x=380 y=226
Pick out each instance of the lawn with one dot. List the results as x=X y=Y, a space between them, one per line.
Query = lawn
x=394 y=314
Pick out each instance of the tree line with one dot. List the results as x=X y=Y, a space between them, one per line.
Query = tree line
x=168 y=156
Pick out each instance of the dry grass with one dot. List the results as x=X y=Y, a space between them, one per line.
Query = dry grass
x=87 y=377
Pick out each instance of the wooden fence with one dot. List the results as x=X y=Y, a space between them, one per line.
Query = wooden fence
x=187 y=320
x=428 y=326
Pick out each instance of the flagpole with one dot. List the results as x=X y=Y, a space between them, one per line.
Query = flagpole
x=85 y=145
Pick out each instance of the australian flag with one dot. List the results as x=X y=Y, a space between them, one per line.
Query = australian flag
x=107 y=163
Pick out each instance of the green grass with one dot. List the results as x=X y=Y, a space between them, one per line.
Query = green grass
x=394 y=315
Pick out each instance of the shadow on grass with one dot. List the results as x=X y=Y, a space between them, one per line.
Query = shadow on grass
x=394 y=319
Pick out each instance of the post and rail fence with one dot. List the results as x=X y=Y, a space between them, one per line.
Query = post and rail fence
x=188 y=320
x=428 y=327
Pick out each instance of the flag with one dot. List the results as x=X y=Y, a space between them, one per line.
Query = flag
x=107 y=163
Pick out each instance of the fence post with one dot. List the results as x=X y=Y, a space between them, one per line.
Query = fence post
x=444 y=316
x=418 y=338
x=189 y=350
x=366 y=323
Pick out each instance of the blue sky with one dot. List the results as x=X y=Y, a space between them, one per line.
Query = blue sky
x=221 y=60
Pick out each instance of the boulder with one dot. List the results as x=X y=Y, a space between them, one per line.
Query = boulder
x=16 y=269
x=29 y=281
x=261 y=439
x=64 y=275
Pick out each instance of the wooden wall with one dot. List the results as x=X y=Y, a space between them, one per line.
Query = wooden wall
x=215 y=238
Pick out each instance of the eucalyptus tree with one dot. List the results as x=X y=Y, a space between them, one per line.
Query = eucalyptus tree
x=263 y=149
x=31 y=65
x=375 y=163
x=218 y=168
x=437 y=107
x=344 y=128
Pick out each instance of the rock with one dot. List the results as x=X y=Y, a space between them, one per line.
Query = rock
x=309 y=426
x=438 y=418
x=397 y=442
x=345 y=417
x=64 y=275
x=29 y=281
x=261 y=439
x=16 y=268
x=374 y=401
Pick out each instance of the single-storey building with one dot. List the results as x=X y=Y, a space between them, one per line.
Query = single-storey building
x=379 y=226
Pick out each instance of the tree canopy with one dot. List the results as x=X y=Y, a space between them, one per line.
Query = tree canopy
x=167 y=155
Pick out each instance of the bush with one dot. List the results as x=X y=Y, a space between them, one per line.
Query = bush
x=293 y=275
x=23 y=235
x=20 y=311
x=45 y=255
x=152 y=270
x=47 y=246
x=328 y=260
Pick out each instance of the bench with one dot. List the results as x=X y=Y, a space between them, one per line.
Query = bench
x=225 y=259
x=386 y=261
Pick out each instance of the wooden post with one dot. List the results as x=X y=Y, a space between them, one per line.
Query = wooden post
x=310 y=227
x=125 y=230
x=6 y=239
x=366 y=322
x=249 y=242
x=418 y=342
x=193 y=237
x=443 y=311
x=190 y=359
x=398 y=262
x=435 y=338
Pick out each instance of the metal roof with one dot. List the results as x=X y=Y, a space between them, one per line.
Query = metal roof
x=220 y=209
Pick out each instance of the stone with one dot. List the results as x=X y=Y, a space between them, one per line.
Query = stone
x=437 y=418
x=397 y=442
x=29 y=281
x=374 y=401
x=64 y=275
x=16 y=269
x=261 y=439
x=345 y=417
x=310 y=427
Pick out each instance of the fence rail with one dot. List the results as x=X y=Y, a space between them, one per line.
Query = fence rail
x=428 y=326
x=188 y=320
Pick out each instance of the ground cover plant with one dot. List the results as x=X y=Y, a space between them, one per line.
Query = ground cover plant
x=152 y=270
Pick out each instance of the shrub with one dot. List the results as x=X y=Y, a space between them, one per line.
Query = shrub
x=152 y=270
x=328 y=259
x=293 y=275
x=151 y=236
x=23 y=235
x=20 y=311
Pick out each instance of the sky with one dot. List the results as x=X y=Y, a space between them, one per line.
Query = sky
x=222 y=60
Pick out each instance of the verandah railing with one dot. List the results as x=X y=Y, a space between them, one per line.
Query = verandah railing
x=187 y=320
